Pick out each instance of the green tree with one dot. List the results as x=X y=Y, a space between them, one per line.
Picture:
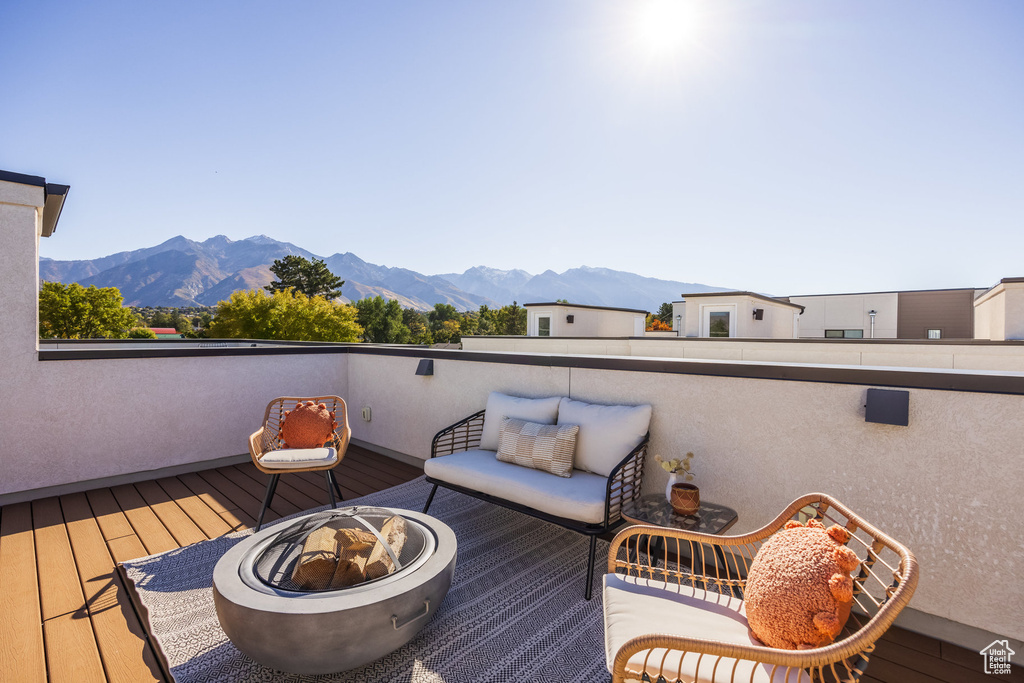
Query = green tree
x=142 y=333
x=287 y=314
x=441 y=314
x=469 y=324
x=312 y=278
x=664 y=313
x=418 y=326
x=510 y=320
x=447 y=333
x=381 y=320
x=77 y=312
x=485 y=321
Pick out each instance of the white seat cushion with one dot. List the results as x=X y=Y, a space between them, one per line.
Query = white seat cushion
x=298 y=458
x=579 y=497
x=607 y=433
x=540 y=410
x=637 y=606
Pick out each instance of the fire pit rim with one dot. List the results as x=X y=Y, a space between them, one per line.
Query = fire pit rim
x=229 y=580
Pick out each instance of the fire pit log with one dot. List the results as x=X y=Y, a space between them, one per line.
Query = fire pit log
x=379 y=563
x=335 y=556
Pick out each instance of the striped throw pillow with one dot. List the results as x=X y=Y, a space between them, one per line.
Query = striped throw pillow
x=539 y=447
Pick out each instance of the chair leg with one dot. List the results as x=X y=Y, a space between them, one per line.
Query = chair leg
x=590 y=567
x=330 y=489
x=271 y=487
x=334 y=482
x=430 y=499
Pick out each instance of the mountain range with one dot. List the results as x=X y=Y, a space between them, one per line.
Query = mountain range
x=182 y=272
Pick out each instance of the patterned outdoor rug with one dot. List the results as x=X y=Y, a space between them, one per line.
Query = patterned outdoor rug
x=515 y=610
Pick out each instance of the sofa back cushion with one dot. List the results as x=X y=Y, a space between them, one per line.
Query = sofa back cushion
x=607 y=433
x=499 y=406
x=540 y=447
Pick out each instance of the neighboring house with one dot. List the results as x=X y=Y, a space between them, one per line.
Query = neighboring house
x=569 y=320
x=736 y=314
x=166 y=333
x=999 y=312
x=919 y=314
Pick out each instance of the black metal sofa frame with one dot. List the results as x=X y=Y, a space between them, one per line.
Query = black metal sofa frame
x=623 y=484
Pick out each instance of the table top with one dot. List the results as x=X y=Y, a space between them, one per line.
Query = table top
x=654 y=509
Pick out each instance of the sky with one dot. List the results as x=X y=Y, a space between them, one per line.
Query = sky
x=783 y=146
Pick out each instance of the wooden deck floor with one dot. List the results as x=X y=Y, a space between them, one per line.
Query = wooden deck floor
x=65 y=615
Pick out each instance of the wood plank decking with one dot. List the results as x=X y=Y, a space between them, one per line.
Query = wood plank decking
x=65 y=615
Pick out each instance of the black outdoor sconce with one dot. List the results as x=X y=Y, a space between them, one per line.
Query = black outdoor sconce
x=570 y=319
x=888 y=407
x=426 y=367
x=758 y=314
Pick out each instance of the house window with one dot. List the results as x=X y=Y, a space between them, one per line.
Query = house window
x=935 y=334
x=718 y=324
x=718 y=321
x=544 y=327
x=844 y=334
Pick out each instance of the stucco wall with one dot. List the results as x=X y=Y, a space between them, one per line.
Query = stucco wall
x=999 y=312
x=587 y=322
x=70 y=421
x=939 y=485
x=989 y=322
x=67 y=422
x=994 y=357
x=776 y=323
x=407 y=410
x=1014 y=311
x=849 y=312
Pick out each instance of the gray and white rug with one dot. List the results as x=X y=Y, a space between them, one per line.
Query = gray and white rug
x=515 y=610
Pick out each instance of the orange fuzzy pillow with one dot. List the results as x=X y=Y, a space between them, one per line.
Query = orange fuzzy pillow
x=799 y=591
x=307 y=426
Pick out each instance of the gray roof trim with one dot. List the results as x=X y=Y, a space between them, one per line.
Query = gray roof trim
x=596 y=308
x=941 y=380
x=55 y=196
x=754 y=295
x=12 y=177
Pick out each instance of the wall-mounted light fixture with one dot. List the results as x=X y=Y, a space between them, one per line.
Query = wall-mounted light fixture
x=570 y=319
x=888 y=407
x=679 y=325
x=758 y=314
x=426 y=367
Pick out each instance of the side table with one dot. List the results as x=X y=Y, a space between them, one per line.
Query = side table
x=654 y=509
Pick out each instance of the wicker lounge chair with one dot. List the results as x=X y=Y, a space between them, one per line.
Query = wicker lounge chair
x=685 y=625
x=270 y=456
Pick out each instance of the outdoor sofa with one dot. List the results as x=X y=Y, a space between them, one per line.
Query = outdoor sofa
x=606 y=470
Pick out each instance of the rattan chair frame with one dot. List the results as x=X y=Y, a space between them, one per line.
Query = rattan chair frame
x=877 y=598
x=267 y=439
x=624 y=484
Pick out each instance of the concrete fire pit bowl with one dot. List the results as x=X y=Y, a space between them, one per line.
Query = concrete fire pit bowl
x=330 y=630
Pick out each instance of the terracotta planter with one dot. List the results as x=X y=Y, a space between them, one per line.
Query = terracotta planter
x=685 y=499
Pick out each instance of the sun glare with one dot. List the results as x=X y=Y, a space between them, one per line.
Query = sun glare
x=667 y=26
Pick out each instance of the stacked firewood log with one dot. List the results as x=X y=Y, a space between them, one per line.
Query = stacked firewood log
x=337 y=555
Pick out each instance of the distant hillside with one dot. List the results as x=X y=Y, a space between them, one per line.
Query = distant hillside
x=183 y=272
x=583 y=285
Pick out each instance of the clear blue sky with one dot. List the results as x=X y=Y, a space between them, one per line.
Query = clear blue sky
x=790 y=147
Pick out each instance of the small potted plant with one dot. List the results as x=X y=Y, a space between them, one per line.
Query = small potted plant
x=683 y=496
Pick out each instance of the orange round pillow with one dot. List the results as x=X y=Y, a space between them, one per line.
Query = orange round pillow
x=799 y=591
x=307 y=426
